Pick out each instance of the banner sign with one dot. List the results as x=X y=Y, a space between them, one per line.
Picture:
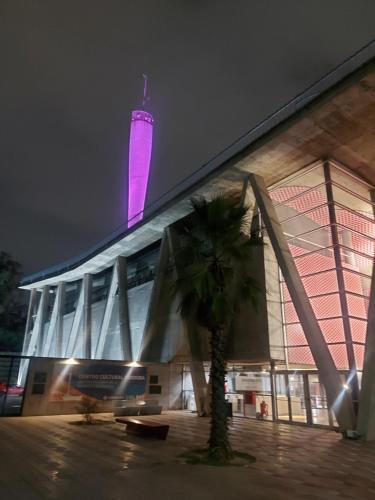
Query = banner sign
x=98 y=381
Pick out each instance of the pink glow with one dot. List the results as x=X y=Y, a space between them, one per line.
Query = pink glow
x=140 y=147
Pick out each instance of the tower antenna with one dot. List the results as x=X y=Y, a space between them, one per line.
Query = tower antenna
x=145 y=98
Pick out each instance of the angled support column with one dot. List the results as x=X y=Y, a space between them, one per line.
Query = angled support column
x=99 y=351
x=27 y=338
x=51 y=328
x=353 y=378
x=123 y=308
x=152 y=344
x=74 y=331
x=366 y=415
x=196 y=362
x=41 y=319
x=30 y=314
x=60 y=299
x=338 y=398
x=87 y=315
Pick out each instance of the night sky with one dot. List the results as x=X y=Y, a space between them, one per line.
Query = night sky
x=71 y=72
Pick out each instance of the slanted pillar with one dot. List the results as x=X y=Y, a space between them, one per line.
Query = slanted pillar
x=60 y=318
x=42 y=314
x=353 y=379
x=338 y=398
x=161 y=301
x=71 y=343
x=87 y=316
x=100 y=346
x=123 y=308
x=366 y=414
x=29 y=320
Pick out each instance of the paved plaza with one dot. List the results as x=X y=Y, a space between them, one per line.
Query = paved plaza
x=47 y=457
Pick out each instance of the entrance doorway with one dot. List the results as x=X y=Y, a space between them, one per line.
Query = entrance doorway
x=301 y=398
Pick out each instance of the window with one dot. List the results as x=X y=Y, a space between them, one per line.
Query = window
x=39 y=383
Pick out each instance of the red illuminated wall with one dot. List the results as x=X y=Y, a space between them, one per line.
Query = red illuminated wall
x=319 y=276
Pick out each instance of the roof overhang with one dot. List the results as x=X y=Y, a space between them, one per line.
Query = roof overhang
x=334 y=118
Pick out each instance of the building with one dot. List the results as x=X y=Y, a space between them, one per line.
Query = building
x=305 y=356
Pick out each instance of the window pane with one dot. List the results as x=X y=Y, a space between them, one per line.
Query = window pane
x=359 y=351
x=358 y=329
x=300 y=356
x=339 y=355
x=320 y=283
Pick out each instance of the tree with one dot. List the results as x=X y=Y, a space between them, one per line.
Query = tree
x=12 y=312
x=9 y=278
x=213 y=279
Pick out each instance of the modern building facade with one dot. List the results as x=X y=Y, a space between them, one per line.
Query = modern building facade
x=306 y=354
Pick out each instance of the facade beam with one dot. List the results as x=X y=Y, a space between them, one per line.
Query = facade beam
x=60 y=299
x=51 y=332
x=74 y=331
x=353 y=379
x=151 y=344
x=123 y=308
x=41 y=319
x=29 y=320
x=87 y=315
x=99 y=351
x=338 y=398
x=366 y=413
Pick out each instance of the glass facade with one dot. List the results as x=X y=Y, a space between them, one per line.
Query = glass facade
x=327 y=216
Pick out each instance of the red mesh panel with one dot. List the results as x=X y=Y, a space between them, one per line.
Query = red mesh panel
x=305 y=201
x=359 y=351
x=312 y=262
x=295 y=335
x=355 y=232
x=327 y=306
x=339 y=355
x=356 y=306
x=332 y=329
x=353 y=282
x=300 y=356
x=325 y=283
x=290 y=313
x=358 y=328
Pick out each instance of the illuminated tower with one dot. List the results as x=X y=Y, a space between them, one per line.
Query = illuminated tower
x=140 y=147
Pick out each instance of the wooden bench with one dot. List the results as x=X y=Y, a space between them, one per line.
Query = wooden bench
x=144 y=428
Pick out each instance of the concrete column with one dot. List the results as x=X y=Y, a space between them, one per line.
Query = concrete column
x=159 y=308
x=87 y=292
x=338 y=398
x=42 y=313
x=123 y=308
x=111 y=295
x=341 y=286
x=366 y=414
x=60 y=318
x=75 y=328
x=29 y=320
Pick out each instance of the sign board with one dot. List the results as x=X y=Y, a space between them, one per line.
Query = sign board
x=98 y=381
x=251 y=382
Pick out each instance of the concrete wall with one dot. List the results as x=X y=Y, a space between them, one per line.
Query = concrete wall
x=169 y=378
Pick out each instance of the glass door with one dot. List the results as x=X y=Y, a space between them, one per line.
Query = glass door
x=319 y=406
x=282 y=396
x=298 y=400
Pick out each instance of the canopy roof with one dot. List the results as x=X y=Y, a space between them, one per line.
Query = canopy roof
x=334 y=118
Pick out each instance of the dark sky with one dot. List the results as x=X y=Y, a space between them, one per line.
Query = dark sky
x=71 y=74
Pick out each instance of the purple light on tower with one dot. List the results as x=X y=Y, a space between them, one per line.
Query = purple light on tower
x=140 y=147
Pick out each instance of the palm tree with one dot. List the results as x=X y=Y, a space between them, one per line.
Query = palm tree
x=213 y=278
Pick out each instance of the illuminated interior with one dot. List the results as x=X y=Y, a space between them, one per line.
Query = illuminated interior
x=327 y=217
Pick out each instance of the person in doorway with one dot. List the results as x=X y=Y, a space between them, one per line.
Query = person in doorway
x=263 y=409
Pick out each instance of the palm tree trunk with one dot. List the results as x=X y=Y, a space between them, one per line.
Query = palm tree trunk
x=219 y=447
